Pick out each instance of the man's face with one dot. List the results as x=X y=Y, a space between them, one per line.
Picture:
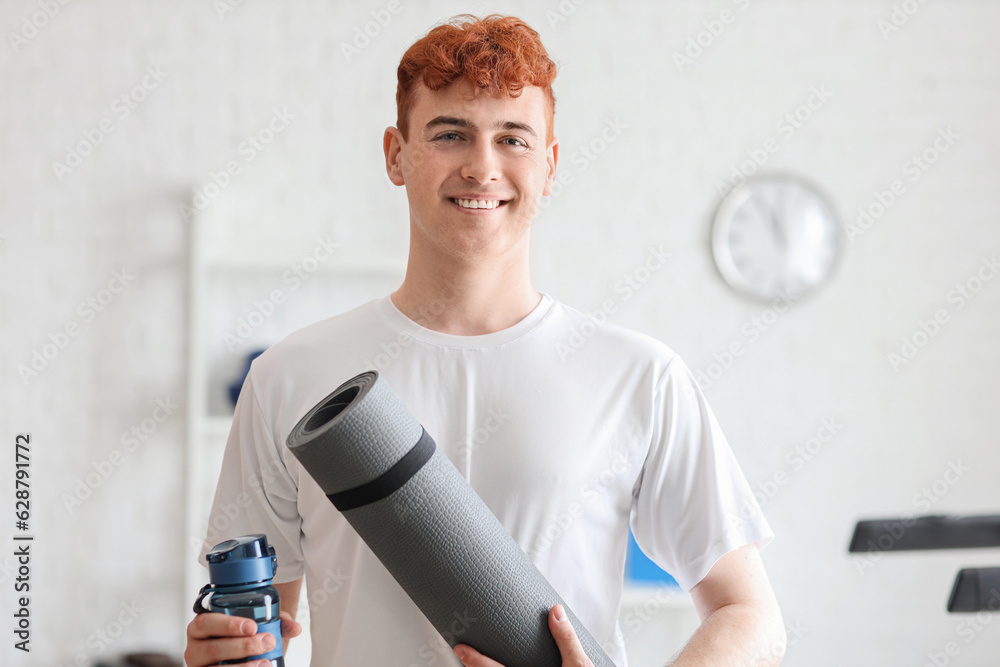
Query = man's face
x=475 y=168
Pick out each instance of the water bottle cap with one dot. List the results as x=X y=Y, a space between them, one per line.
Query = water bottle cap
x=244 y=560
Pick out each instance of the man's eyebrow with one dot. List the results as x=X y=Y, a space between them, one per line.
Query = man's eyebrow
x=449 y=120
x=514 y=125
x=462 y=122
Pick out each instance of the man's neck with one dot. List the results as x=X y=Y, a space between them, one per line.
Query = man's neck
x=466 y=299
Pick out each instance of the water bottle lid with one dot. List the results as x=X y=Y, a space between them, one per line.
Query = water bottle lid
x=244 y=560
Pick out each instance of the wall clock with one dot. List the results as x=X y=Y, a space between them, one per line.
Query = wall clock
x=776 y=235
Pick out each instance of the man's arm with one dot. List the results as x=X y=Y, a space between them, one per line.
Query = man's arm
x=741 y=623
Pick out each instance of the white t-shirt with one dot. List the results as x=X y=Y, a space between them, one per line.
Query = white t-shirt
x=566 y=426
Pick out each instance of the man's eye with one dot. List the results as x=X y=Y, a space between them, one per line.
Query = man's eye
x=449 y=136
x=514 y=141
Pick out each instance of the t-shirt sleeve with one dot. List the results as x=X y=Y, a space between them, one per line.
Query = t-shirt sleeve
x=692 y=504
x=256 y=493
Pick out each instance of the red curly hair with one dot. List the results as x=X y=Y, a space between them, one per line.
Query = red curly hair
x=497 y=54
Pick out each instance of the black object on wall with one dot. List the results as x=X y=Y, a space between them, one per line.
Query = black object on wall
x=927 y=532
x=975 y=589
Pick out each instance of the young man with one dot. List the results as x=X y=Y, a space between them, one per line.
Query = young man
x=565 y=449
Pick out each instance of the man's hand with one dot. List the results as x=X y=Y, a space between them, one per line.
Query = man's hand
x=561 y=629
x=213 y=637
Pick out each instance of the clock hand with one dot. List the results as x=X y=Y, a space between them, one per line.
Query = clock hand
x=777 y=232
x=776 y=228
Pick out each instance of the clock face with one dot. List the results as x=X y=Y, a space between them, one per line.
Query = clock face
x=775 y=236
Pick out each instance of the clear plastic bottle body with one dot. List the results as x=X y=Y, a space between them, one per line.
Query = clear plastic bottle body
x=260 y=604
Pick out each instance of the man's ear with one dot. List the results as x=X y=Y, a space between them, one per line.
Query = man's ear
x=552 y=158
x=392 y=145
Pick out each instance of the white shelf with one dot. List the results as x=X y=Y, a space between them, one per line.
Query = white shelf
x=217 y=426
x=228 y=278
x=352 y=266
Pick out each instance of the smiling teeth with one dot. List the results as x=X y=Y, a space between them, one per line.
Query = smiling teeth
x=476 y=203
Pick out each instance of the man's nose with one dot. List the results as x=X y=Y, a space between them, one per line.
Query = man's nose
x=482 y=164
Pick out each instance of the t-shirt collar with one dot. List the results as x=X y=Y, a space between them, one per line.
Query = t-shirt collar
x=398 y=320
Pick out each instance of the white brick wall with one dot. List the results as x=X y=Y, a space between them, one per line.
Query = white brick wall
x=656 y=183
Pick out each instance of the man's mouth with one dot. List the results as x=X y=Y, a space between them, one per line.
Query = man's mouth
x=479 y=203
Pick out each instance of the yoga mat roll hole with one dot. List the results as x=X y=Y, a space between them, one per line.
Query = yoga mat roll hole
x=329 y=412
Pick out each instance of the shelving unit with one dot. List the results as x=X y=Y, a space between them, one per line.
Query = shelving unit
x=233 y=278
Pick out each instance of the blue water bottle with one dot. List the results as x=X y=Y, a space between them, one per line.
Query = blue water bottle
x=240 y=572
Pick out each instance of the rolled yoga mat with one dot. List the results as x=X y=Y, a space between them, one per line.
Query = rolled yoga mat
x=434 y=535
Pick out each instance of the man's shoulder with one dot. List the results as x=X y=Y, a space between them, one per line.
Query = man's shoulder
x=330 y=338
x=594 y=330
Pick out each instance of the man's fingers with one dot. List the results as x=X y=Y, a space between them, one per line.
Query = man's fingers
x=214 y=651
x=562 y=631
x=289 y=626
x=470 y=657
x=220 y=625
x=213 y=638
x=566 y=639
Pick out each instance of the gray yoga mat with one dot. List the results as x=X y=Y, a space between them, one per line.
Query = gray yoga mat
x=425 y=523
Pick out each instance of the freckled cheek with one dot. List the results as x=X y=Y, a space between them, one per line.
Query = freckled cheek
x=427 y=174
x=419 y=159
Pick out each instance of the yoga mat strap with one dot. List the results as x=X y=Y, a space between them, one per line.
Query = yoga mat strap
x=386 y=484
